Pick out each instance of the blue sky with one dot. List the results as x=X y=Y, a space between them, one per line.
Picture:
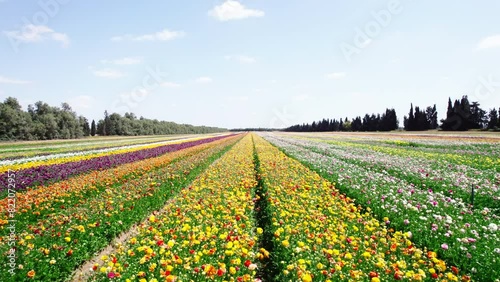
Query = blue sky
x=249 y=63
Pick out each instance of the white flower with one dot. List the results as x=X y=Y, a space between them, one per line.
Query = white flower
x=493 y=227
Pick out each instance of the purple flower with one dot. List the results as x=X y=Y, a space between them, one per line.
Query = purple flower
x=45 y=174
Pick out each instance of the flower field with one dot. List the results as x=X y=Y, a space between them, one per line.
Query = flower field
x=59 y=168
x=21 y=150
x=259 y=207
x=430 y=198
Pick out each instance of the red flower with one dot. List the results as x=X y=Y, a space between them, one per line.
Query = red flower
x=398 y=275
x=248 y=263
x=373 y=274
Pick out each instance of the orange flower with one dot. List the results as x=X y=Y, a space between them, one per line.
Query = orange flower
x=31 y=274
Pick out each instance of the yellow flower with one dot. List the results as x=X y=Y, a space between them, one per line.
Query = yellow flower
x=306 y=278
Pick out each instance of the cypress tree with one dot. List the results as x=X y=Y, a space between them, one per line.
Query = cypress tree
x=92 y=128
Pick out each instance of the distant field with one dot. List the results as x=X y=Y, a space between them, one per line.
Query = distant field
x=32 y=148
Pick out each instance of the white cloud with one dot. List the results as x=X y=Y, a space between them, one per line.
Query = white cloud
x=489 y=42
x=233 y=10
x=163 y=35
x=336 y=75
x=170 y=84
x=81 y=102
x=241 y=58
x=107 y=73
x=6 y=80
x=204 y=79
x=37 y=33
x=124 y=61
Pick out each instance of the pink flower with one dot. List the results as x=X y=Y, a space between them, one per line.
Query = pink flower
x=111 y=275
x=444 y=246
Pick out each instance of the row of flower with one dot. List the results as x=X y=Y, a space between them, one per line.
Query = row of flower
x=35 y=203
x=77 y=154
x=455 y=181
x=481 y=161
x=321 y=235
x=206 y=233
x=465 y=237
x=457 y=144
x=56 y=237
x=43 y=172
x=24 y=150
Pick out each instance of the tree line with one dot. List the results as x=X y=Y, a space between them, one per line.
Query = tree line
x=44 y=122
x=386 y=121
x=461 y=115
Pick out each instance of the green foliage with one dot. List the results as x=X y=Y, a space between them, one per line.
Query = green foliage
x=386 y=122
x=130 y=125
x=464 y=116
x=44 y=122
